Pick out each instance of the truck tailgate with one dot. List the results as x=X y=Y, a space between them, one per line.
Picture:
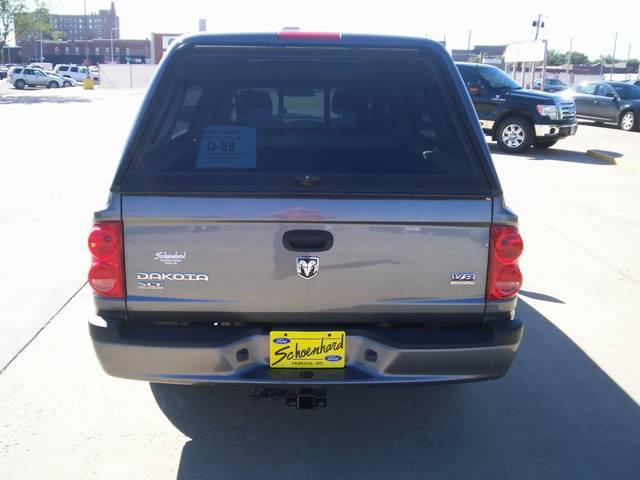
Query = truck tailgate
x=223 y=258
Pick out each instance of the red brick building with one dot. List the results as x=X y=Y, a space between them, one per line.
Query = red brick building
x=75 y=51
x=159 y=44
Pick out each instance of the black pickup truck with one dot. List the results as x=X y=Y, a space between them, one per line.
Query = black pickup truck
x=514 y=117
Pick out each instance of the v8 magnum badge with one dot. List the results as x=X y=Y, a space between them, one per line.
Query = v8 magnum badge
x=307 y=267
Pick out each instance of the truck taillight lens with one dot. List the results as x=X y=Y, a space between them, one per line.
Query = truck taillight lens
x=505 y=248
x=106 y=275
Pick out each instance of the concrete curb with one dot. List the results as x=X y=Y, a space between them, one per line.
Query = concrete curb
x=604 y=156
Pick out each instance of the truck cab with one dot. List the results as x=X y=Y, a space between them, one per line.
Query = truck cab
x=514 y=117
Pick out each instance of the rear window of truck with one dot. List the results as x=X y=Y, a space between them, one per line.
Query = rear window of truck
x=309 y=122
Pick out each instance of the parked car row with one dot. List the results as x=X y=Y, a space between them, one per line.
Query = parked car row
x=44 y=75
x=551 y=85
x=77 y=72
x=21 y=77
x=4 y=69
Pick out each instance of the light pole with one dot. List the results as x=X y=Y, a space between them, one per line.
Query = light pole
x=538 y=24
x=86 y=44
x=112 y=29
x=613 y=59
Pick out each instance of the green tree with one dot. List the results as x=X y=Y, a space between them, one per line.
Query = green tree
x=32 y=24
x=579 y=58
x=9 y=9
x=35 y=25
x=554 y=57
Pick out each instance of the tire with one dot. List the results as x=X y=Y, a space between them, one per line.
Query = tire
x=19 y=84
x=514 y=135
x=66 y=83
x=545 y=144
x=628 y=121
x=53 y=85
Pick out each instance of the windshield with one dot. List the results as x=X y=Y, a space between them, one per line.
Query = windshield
x=498 y=79
x=628 y=92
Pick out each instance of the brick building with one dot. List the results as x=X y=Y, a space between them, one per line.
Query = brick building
x=493 y=54
x=98 y=51
x=94 y=25
x=159 y=44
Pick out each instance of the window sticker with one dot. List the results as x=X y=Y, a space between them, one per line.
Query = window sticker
x=227 y=147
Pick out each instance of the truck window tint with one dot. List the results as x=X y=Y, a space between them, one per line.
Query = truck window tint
x=497 y=78
x=378 y=126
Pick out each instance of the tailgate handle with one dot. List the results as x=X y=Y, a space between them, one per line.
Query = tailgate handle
x=307 y=240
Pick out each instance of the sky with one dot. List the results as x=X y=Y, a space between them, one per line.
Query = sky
x=491 y=22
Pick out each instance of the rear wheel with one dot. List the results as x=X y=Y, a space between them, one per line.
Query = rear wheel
x=545 y=144
x=53 y=85
x=628 y=121
x=19 y=84
x=514 y=135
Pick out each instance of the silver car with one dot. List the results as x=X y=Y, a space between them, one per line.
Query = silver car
x=306 y=209
x=21 y=77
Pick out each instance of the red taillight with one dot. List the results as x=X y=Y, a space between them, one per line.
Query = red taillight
x=103 y=239
x=298 y=35
x=505 y=248
x=106 y=275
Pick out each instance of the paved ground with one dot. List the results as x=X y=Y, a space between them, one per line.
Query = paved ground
x=568 y=408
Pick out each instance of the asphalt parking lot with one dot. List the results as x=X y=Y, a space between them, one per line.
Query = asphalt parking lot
x=567 y=409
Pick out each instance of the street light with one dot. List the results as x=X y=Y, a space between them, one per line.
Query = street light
x=538 y=24
x=112 y=29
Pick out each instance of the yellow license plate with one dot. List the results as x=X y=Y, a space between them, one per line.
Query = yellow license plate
x=306 y=349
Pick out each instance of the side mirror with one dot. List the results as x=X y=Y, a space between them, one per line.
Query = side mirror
x=612 y=96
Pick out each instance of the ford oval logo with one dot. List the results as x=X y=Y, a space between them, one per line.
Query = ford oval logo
x=281 y=340
x=332 y=358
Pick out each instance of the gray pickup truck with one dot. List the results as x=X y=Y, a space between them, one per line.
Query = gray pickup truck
x=306 y=209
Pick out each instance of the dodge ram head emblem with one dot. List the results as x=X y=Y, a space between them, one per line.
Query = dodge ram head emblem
x=307 y=266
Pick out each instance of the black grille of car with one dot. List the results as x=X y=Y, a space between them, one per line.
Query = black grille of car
x=568 y=111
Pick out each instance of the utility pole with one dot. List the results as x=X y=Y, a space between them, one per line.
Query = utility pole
x=544 y=63
x=112 y=29
x=41 y=52
x=613 y=60
x=538 y=24
x=469 y=46
x=626 y=64
x=569 y=63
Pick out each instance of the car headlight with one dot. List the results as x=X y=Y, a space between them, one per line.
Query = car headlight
x=551 y=111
